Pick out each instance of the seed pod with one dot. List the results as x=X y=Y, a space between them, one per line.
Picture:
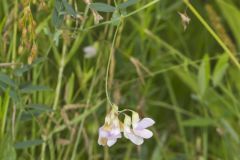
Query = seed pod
x=24 y=33
x=30 y=59
x=34 y=24
x=20 y=49
x=29 y=28
x=21 y=24
x=34 y=49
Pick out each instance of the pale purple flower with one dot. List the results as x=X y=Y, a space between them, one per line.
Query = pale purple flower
x=138 y=132
x=110 y=131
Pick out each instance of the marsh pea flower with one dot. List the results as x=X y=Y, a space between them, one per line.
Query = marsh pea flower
x=110 y=131
x=138 y=132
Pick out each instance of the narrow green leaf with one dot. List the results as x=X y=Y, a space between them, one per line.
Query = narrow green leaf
x=13 y=93
x=102 y=7
x=5 y=79
x=127 y=4
x=59 y=5
x=3 y=86
x=19 y=72
x=198 y=122
x=38 y=61
x=57 y=19
x=231 y=14
x=33 y=88
x=187 y=78
x=33 y=111
x=39 y=107
x=69 y=8
x=25 y=68
x=7 y=151
x=115 y=18
x=220 y=69
x=69 y=91
x=4 y=109
x=14 y=96
x=29 y=115
x=27 y=144
x=230 y=130
x=204 y=75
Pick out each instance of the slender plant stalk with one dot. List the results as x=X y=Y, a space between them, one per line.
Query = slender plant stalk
x=123 y=16
x=211 y=31
x=108 y=65
x=57 y=92
x=60 y=75
x=4 y=103
x=14 y=50
x=142 y=8
x=177 y=114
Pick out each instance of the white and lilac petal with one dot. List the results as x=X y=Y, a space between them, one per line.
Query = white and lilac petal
x=102 y=141
x=144 y=123
x=135 y=139
x=111 y=142
x=126 y=131
x=115 y=135
x=127 y=124
x=135 y=119
x=144 y=133
x=102 y=132
x=115 y=132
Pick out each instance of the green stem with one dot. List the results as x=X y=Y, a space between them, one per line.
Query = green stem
x=177 y=114
x=15 y=33
x=57 y=92
x=210 y=30
x=110 y=21
x=142 y=8
x=108 y=66
x=85 y=15
x=60 y=75
x=3 y=115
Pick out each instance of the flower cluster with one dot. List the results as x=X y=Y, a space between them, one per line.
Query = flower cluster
x=133 y=128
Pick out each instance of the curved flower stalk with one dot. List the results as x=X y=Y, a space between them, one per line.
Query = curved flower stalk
x=133 y=128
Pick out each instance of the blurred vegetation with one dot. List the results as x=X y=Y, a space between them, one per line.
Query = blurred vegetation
x=53 y=96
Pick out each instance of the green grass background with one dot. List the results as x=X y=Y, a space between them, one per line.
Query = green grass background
x=184 y=80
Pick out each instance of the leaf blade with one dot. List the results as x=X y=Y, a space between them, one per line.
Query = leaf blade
x=129 y=3
x=29 y=143
x=102 y=7
x=33 y=88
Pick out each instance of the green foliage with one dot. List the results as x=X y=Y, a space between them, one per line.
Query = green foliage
x=198 y=122
x=231 y=13
x=204 y=75
x=4 y=105
x=184 y=80
x=7 y=151
x=27 y=144
x=60 y=7
x=69 y=8
x=33 y=88
x=102 y=7
x=220 y=69
x=8 y=81
x=127 y=4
